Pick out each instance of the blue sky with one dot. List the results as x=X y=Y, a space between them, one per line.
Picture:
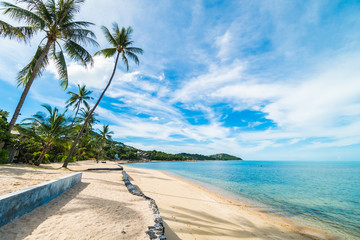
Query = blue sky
x=264 y=80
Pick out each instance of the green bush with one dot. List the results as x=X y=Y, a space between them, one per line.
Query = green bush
x=4 y=156
x=36 y=156
x=60 y=158
x=51 y=157
x=72 y=159
x=46 y=159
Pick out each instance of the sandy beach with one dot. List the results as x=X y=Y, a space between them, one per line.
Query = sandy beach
x=100 y=207
x=191 y=212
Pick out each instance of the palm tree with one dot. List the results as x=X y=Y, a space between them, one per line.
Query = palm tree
x=48 y=129
x=79 y=98
x=55 y=18
x=104 y=135
x=84 y=113
x=121 y=46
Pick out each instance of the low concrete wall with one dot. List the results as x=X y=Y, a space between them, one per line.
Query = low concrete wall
x=156 y=231
x=16 y=204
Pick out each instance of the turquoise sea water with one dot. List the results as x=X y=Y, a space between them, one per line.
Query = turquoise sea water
x=321 y=195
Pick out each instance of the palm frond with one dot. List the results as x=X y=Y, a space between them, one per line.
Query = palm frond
x=83 y=36
x=86 y=104
x=135 y=50
x=133 y=57
x=40 y=8
x=61 y=68
x=125 y=60
x=129 y=31
x=107 y=52
x=78 y=53
x=76 y=24
x=24 y=75
x=20 y=14
x=108 y=36
x=67 y=10
x=23 y=33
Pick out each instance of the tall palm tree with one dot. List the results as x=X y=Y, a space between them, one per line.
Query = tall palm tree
x=48 y=129
x=78 y=99
x=121 y=46
x=55 y=18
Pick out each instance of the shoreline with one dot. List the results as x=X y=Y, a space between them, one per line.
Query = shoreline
x=257 y=214
x=231 y=197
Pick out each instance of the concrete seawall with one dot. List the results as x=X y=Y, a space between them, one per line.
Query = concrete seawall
x=16 y=204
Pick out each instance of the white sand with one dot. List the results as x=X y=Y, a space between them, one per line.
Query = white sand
x=192 y=212
x=100 y=207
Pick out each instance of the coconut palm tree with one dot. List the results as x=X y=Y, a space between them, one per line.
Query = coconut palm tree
x=48 y=129
x=104 y=135
x=121 y=47
x=84 y=113
x=55 y=18
x=77 y=99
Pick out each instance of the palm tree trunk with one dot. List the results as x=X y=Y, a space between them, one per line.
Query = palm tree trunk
x=43 y=152
x=29 y=83
x=89 y=116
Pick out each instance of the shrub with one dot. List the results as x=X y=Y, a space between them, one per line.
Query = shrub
x=72 y=159
x=60 y=158
x=4 y=156
x=51 y=157
x=36 y=156
x=45 y=159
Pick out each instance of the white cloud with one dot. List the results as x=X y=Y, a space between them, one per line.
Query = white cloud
x=95 y=77
x=224 y=43
x=202 y=86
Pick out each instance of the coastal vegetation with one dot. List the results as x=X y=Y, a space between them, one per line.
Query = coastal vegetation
x=46 y=137
x=46 y=129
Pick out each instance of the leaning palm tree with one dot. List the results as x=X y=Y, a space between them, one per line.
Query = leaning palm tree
x=48 y=129
x=55 y=18
x=121 y=46
x=77 y=99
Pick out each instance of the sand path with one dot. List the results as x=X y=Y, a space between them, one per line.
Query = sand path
x=192 y=212
x=100 y=207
